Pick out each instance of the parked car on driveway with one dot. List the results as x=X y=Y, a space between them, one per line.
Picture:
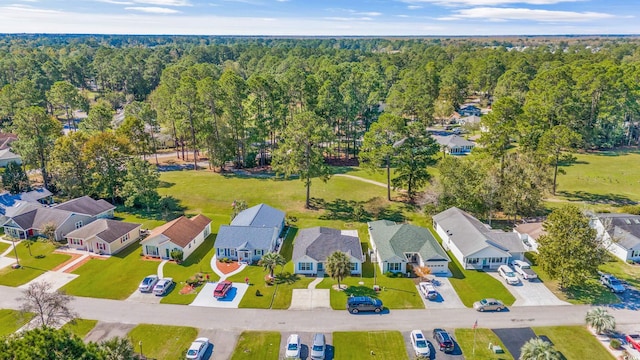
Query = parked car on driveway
x=222 y=289
x=612 y=283
x=363 y=303
x=163 y=286
x=420 y=344
x=524 y=269
x=508 y=274
x=198 y=348
x=318 y=347
x=428 y=290
x=147 y=284
x=488 y=305
x=444 y=341
x=293 y=347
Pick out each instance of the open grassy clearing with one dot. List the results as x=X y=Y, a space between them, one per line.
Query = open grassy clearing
x=465 y=339
x=162 y=342
x=41 y=260
x=574 y=342
x=360 y=345
x=80 y=327
x=257 y=345
x=12 y=320
x=133 y=218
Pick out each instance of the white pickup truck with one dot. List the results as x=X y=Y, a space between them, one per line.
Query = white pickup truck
x=524 y=269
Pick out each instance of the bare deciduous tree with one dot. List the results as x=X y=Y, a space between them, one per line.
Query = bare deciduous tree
x=51 y=308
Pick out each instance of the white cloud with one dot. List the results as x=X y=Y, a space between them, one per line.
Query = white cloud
x=369 y=13
x=164 y=2
x=501 y=14
x=152 y=9
x=414 y=7
x=487 y=2
x=29 y=9
x=116 y=2
x=339 y=18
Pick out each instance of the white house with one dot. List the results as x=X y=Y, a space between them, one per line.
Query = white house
x=529 y=234
x=104 y=236
x=620 y=234
x=454 y=144
x=474 y=244
x=180 y=234
x=312 y=247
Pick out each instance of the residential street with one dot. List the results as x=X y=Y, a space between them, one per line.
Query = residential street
x=320 y=320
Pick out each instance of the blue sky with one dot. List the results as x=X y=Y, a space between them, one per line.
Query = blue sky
x=321 y=17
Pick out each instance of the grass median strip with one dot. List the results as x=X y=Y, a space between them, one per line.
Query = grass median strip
x=162 y=342
x=475 y=344
x=80 y=327
x=359 y=345
x=263 y=345
x=12 y=320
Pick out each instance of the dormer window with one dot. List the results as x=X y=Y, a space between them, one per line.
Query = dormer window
x=79 y=224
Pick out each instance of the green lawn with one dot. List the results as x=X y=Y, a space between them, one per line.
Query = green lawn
x=574 y=342
x=622 y=270
x=133 y=218
x=359 y=345
x=465 y=338
x=32 y=265
x=3 y=247
x=12 y=320
x=198 y=262
x=253 y=345
x=80 y=327
x=114 y=278
x=162 y=342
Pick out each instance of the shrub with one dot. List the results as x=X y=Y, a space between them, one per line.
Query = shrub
x=630 y=262
x=615 y=343
x=258 y=293
x=177 y=255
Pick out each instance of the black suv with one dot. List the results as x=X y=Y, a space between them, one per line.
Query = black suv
x=443 y=340
x=363 y=303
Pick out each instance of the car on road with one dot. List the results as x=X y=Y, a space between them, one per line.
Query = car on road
x=222 y=289
x=163 y=286
x=147 y=284
x=420 y=344
x=357 y=304
x=198 y=348
x=524 y=269
x=293 y=347
x=612 y=283
x=428 y=290
x=444 y=341
x=508 y=274
x=488 y=304
x=634 y=340
x=318 y=347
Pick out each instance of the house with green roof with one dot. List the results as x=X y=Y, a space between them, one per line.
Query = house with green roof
x=396 y=245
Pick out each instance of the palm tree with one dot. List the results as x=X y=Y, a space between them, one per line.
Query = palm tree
x=538 y=349
x=270 y=261
x=600 y=320
x=338 y=266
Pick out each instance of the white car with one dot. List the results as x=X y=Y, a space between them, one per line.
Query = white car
x=198 y=348
x=163 y=286
x=508 y=274
x=428 y=290
x=147 y=284
x=293 y=347
x=420 y=344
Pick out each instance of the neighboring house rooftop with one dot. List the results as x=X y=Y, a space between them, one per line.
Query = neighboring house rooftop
x=622 y=228
x=260 y=215
x=6 y=139
x=534 y=229
x=86 y=205
x=452 y=141
x=9 y=202
x=396 y=239
x=473 y=119
x=41 y=216
x=182 y=230
x=320 y=242
x=471 y=236
x=8 y=155
x=105 y=229
x=245 y=237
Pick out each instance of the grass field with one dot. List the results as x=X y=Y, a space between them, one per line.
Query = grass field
x=3 y=247
x=465 y=338
x=80 y=327
x=12 y=320
x=162 y=342
x=574 y=342
x=369 y=345
x=41 y=260
x=257 y=345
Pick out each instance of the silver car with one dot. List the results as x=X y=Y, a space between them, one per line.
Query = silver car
x=318 y=347
x=163 y=286
x=488 y=305
x=147 y=284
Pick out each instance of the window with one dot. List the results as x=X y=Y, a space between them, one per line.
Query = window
x=495 y=260
x=206 y=231
x=472 y=261
x=76 y=242
x=305 y=266
x=354 y=266
x=258 y=252
x=78 y=224
x=124 y=238
x=189 y=245
x=394 y=267
x=102 y=246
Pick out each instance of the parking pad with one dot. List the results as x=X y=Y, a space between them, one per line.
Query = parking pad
x=147 y=298
x=447 y=296
x=309 y=299
x=513 y=339
x=530 y=293
x=231 y=301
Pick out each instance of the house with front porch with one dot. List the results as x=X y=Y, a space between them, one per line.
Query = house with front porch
x=35 y=218
x=394 y=246
x=180 y=234
x=104 y=236
x=620 y=233
x=313 y=246
x=474 y=244
x=99 y=209
x=454 y=144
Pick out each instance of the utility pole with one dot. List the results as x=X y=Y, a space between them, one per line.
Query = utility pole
x=15 y=251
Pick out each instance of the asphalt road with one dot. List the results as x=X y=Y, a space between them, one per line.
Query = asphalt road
x=320 y=320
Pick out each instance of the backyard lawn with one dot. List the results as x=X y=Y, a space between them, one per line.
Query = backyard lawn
x=12 y=320
x=574 y=342
x=114 y=278
x=465 y=338
x=263 y=345
x=80 y=327
x=41 y=260
x=162 y=342
x=369 y=345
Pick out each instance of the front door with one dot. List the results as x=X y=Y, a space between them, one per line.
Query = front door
x=167 y=251
x=320 y=266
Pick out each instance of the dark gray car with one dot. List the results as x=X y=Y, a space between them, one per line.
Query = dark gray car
x=357 y=304
x=318 y=347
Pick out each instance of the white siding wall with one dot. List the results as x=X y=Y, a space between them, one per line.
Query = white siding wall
x=613 y=248
x=305 y=259
x=196 y=242
x=447 y=244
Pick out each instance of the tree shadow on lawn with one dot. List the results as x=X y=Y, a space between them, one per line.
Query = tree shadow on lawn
x=357 y=211
x=169 y=209
x=360 y=291
x=592 y=292
x=286 y=278
x=607 y=199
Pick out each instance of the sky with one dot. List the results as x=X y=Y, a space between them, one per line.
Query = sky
x=321 y=17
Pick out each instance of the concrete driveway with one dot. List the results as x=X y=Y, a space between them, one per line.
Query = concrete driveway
x=435 y=353
x=231 y=301
x=447 y=297
x=306 y=339
x=530 y=293
x=308 y=299
x=146 y=298
x=106 y=330
x=223 y=343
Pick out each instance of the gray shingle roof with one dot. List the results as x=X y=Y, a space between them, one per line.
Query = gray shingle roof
x=393 y=239
x=320 y=242
x=249 y=237
x=623 y=228
x=470 y=235
x=86 y=205
x=38 y=217
x=260 y=215
x=105 y=229
x=453 y=141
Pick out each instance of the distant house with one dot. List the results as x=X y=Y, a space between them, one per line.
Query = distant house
x=474 y=244
x=6 y=139
x=469 y=120
x=454 y=144
x=620 y=234
x=180 y=234
x=100 y=209
x=312 y=247
x=469 y=110
x=529 y=234
x=33 y=219
x=7 y=156
x=253 y=232
x=454 y=118
x=104 y=236
x=396 y=245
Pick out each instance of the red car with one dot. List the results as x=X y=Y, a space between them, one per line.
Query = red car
x=222 y=289
x=634 y=340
